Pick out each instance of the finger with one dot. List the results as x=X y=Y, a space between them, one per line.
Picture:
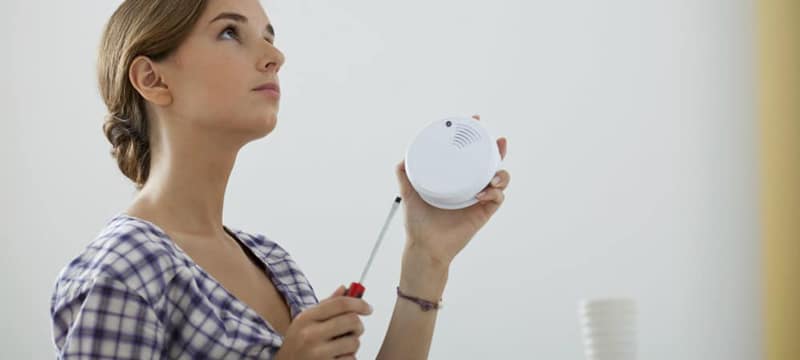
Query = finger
x=502 y=145
x=500 y=180
x=342 y=325
x=491 y=195
x=339 y=305
x=491 y=201
x=343 y=346
x=402 y=179
x=476 y=117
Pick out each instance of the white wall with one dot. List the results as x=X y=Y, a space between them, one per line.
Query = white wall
x=631 y=146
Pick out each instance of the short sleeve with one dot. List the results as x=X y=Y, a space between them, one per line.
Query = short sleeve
x=107 y=321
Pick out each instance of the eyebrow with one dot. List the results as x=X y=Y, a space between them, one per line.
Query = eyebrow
x=240 y=18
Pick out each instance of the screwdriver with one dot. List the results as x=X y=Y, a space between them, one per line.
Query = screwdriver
x=357 y=289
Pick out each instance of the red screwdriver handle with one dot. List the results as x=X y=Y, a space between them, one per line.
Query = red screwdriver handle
x=355 y=290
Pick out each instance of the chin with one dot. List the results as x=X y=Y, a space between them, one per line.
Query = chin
x=265 y=125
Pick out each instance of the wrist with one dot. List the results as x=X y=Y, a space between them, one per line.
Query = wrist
x=422 y=275
x=425 y=256
x=425 y=305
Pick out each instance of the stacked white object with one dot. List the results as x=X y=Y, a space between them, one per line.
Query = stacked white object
x=609 y=328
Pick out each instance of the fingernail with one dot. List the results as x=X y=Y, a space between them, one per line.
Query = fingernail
x=370 y=308
x=480 y=194
x=496 y=180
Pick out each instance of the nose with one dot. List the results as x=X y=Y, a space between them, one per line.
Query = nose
x=271 y=59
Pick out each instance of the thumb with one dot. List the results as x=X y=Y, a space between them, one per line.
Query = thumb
x=338 y=292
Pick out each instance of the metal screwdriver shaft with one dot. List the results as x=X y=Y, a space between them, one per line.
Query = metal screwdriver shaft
x=357 y=289
x=380 y=239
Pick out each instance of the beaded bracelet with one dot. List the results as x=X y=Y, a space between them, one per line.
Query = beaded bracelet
x=424 y=304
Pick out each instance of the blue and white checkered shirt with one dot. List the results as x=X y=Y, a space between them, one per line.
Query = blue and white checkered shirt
x=134 y=294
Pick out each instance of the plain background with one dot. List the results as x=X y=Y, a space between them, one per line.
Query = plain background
x=632 y=149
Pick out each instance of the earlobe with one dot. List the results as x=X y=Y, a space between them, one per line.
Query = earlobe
x=145 y=77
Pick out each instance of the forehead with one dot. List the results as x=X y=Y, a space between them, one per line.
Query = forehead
x=251 y=9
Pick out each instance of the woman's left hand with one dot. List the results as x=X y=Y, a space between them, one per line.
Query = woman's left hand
x=442 y=234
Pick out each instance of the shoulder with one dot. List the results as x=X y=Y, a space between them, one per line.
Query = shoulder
x=127 y=251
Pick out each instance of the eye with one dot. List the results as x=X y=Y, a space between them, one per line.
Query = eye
x=230 y=31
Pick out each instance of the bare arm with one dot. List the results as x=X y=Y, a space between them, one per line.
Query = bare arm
x=411 y=329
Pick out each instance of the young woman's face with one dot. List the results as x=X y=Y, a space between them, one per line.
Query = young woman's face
x=214 y=74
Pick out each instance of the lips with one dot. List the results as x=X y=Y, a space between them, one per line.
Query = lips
x=269 y=86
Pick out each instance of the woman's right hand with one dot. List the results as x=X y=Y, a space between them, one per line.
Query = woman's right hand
x=329 y=330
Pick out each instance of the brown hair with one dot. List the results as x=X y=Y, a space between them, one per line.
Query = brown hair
x=152 y=28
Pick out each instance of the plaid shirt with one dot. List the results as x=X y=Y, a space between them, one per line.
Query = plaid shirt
x=134 y=294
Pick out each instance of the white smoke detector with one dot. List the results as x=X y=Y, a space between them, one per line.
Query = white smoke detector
x=452 y=160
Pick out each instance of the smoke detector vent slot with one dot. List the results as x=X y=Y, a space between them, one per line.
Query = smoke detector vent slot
x=464 y=136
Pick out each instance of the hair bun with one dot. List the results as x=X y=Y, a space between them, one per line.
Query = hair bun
x=120 y=130
x=129 y=146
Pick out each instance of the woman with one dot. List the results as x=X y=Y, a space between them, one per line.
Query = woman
x=187 y=85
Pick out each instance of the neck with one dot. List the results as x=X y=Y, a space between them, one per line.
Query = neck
x=185 y=189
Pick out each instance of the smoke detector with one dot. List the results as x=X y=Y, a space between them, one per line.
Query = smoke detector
x=452 y=160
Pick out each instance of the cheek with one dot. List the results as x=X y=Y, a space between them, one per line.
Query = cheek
x=217 y=91
x=222 y=87
x=213 y=93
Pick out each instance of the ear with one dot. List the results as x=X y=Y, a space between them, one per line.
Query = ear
x=146 y=79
